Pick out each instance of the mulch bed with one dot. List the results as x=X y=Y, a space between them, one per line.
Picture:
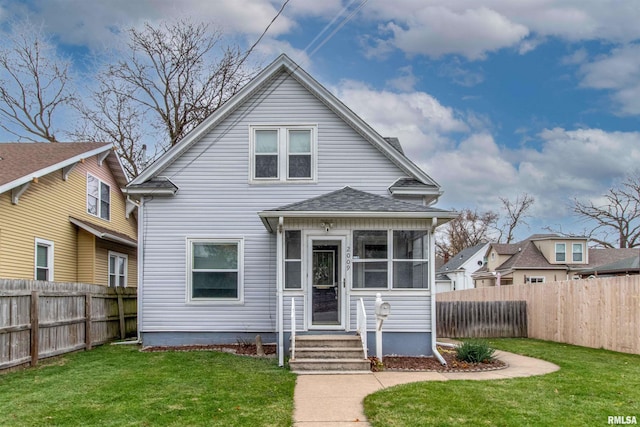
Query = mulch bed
x=242 y=349
x=404 y=363
x=391 y=363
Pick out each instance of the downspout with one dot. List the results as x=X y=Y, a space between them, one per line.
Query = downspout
x=279 y=287
x=432 y=277
x=140 y=264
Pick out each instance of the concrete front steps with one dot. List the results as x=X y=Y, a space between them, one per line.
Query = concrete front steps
x=329 y=354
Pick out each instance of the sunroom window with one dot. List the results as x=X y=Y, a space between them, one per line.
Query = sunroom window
x=396 y=259
x=293 y=259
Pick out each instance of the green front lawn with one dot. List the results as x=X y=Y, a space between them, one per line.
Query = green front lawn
x=590 y=386
x=120 y=386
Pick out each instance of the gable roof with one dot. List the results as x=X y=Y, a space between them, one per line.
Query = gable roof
x=21 y=162
x=349 y=202
x=284 y=64
x=462 y=257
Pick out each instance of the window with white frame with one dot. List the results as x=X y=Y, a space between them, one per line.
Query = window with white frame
x=43 y=260
x=561 y=252
x=117 y=270
x=577 y=249
x=535 y=279
x=395 y=259
x=293 y=259
x=283 y=153
x=98 y=197
x=215 y=269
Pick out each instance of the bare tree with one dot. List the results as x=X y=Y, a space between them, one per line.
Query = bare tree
x=617 y=218
x=179 y=72
x=109 y=116
x=516 y=212
x=468 y=229
x=35 y=84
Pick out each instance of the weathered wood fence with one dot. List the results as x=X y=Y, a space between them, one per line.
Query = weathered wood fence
x=45 y=319
x=598 y=313
x=481 y=319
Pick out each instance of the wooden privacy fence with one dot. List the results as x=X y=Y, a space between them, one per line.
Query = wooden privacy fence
x=44 y=319
x=597 y=313
x=481 y=319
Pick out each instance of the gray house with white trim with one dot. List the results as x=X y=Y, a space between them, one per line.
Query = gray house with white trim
x=284 y=197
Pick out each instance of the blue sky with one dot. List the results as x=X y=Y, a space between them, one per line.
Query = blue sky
x=491 y=98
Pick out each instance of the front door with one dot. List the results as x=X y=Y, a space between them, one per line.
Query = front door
x=326 y=280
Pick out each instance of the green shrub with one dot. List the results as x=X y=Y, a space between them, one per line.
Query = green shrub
x=475 y=352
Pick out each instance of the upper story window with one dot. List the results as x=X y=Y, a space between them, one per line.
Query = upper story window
x=561 y=252
x=98 y=197
x=283 y=153
x=390 y=259
x=577 y=252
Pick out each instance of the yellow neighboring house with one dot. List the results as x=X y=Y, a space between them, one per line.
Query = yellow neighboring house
x=63 y=217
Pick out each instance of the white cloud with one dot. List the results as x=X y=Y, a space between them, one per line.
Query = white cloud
x=619 y=72
x=418 y=119
x=405 y=82
x=437 y=31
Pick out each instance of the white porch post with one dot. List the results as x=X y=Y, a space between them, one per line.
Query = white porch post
x=280 y=287
x=432 y=282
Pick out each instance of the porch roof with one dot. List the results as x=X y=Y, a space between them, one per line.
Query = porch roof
x=351 y=203
x=103 y=232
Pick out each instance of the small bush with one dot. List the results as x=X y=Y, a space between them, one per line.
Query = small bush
x=475 y=352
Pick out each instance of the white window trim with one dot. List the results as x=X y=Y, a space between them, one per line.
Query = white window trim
x=555 y=255
x=239 y=241
x=283 y=153
x=49 y=244
x=390 y=260
x=99 y=205
x=536 y=279
x=573 y=252
x=126 y=268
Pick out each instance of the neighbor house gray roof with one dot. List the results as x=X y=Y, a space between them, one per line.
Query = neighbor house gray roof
x=155 y=186
x=461 y=257
x=349 y=199
x=627 y=265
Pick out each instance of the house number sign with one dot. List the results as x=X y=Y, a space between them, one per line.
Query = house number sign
x=348 y=258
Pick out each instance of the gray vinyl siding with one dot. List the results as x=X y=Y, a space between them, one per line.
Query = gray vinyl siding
x=216 y=200
x=410 y=312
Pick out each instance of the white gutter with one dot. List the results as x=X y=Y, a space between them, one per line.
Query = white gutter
x=140 y=264
x=432 y=277
x=279 y=287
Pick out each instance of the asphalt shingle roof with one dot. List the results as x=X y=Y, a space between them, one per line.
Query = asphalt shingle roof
x=461 y=257
x=18 y=159
x=349 y=199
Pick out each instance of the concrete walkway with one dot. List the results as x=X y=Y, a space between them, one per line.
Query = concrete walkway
x=336 y=400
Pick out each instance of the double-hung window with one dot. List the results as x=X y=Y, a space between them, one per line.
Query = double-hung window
x=98 y=197
x=561 y=252
x=117 y=270
x=283 y=153
x=390 y=259
x=535 y=279
x=577 y=252
x=215 y=269
x=43 y=260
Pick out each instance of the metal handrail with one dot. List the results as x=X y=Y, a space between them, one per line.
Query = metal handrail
x=362 y=326
x=293 y=329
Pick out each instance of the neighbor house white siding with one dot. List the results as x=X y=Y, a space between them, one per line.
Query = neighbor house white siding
x=216 y=200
